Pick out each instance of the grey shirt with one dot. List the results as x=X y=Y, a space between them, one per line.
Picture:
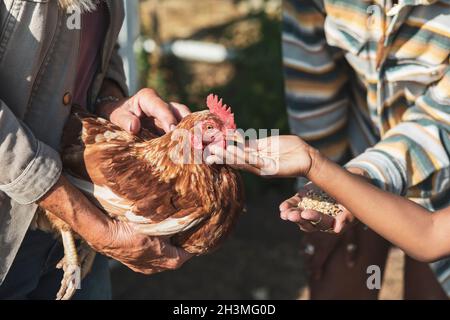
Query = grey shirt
x=38 y=62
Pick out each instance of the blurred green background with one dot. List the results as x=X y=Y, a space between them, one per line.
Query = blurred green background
x=251 y=82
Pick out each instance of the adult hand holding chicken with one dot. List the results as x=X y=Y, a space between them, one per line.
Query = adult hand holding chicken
x=145 y=108
x=116 y=239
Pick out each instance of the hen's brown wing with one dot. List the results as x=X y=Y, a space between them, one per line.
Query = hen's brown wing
x=73 y=145
x=105 y=164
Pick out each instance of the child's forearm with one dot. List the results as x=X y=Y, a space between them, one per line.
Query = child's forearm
x=406 y=224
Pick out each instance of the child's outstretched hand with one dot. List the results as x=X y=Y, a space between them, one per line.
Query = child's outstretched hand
x=283 y=156
x=311 y=220
x=276 y=156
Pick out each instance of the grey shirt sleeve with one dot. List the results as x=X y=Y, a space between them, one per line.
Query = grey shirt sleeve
x=28 y=167
x=116 y=71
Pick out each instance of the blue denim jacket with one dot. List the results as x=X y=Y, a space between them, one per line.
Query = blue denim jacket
x=38 y=61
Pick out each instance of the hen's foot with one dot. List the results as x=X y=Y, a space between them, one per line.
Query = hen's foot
x=70 y=281
x=70 y=264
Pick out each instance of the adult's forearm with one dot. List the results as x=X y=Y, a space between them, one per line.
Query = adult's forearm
x=69 y=204
x=29 y=167
x=399 y=220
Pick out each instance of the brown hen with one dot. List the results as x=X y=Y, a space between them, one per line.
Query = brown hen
x=157 y=183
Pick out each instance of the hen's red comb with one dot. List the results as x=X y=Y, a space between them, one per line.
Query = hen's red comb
x=217 y=107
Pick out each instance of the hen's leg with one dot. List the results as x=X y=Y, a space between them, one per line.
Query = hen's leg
x=72 y=273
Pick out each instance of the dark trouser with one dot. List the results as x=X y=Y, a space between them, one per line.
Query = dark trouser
x=339 y=273
x=33 y=274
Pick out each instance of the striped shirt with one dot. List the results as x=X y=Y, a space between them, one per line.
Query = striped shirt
x=371 y=80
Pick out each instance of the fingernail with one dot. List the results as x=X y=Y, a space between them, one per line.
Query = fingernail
x=172 y=127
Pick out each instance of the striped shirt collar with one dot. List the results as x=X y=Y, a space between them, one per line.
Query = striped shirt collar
x=410 y=3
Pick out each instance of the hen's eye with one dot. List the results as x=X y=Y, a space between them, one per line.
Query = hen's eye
x=209 y=127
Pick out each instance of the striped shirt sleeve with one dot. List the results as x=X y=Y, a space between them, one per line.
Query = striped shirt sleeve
x=315 y=79
x=413 y=157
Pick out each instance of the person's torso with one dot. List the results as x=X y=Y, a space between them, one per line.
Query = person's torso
x=396 y=51
x=94 y=25
x=39 y=47
x=39 y=55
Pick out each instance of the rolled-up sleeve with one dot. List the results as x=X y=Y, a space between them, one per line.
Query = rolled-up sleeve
x=414 y=156
x=28 y=167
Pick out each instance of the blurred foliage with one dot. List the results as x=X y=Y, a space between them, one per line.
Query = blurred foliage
x=256 y=93
x=256 y=90
x=252 y=82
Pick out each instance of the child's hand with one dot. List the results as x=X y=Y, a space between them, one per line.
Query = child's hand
x=311 y=220
x=276 y=156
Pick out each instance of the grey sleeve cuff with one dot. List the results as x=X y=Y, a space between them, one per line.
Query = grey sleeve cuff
x=116 y=71
x=40 y=175
x=117 y=77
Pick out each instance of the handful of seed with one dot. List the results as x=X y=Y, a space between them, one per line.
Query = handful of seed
x=320 y=201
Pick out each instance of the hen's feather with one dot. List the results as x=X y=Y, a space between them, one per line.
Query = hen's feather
x=133 y=179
